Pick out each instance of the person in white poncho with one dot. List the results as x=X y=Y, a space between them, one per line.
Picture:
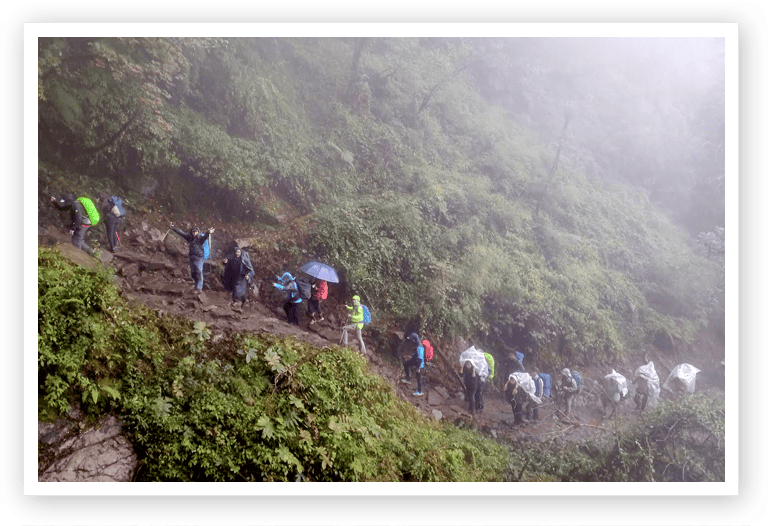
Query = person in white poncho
x=475 y=370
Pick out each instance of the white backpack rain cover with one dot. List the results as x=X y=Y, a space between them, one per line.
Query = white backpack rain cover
x=649 y=371
x=686 y=373
x=621 y=382
x=477 y=358
x=525 y=381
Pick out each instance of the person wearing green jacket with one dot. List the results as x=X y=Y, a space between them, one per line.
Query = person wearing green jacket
x=355 y=322
x=491 y=364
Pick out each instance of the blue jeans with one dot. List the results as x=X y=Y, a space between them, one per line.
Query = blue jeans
x=196 y=269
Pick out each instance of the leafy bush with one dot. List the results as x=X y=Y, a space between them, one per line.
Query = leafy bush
x=677 y=441
x=285 y=411
x=88 y=337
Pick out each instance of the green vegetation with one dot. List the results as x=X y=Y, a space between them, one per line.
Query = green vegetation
x=555 y=202
x=679 y=441
x=422 y=173
x=247 y=408
x=268 y=409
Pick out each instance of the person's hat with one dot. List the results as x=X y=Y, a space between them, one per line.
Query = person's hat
x=413 y=337
x=566 y=372
x=356 y=299
x=193 y=230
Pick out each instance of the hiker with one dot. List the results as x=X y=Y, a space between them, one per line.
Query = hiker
x=682 y=379
x=513 y=364
x=475 y=383
x=292 y=306
x=239 y=271
x=319 y=293
x=112 y=212
x=474 y=387
x=533 y=408
x=491 y=366
x=196 y=252
x=355 y=321
x=475 y=370
x=417 y=360
x=79 y=222
x=614 y=391
x=642 y=392
x=567 y=389
x=517 y=398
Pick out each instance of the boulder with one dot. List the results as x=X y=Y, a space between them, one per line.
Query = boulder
x=99 y=454
x=434 y=398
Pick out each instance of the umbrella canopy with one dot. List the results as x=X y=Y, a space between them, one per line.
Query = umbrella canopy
x=320 y=271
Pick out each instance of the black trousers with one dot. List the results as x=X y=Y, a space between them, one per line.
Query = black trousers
x=292 y=312
x=111 y=222
x=414 y=362
x=474 y=393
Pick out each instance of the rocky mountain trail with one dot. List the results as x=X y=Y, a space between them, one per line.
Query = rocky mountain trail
x=151 y=267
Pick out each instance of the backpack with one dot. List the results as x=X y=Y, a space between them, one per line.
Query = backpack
x=304 y=288
x=207 y=247
x=322 y=290
x=366 y=315
x=429 y=352
x=117 y=209
x=577 y=377
x=547 y=379
x=90 y=209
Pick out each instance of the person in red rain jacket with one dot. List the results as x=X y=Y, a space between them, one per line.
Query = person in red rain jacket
x=319 y=293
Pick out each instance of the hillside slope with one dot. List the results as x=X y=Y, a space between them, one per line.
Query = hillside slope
x=152 y=269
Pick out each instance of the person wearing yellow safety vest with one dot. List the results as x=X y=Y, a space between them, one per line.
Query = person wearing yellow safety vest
x=356 y=316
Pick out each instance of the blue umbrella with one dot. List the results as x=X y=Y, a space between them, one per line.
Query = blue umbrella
x=320 y=271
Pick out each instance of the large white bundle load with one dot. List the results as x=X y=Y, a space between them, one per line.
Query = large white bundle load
x=621 y=381
x=477 y=358
x=686 y=373
x=649 y=372
x=525 y=381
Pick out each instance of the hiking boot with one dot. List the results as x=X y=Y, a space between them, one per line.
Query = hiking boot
x=418 y=393
x=321 y=318
x=312 y=321
x=406 y=380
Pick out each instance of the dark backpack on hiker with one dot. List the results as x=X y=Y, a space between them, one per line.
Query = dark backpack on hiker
x=304 y=288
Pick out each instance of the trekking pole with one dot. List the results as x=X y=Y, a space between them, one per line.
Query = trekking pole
x=157 y=248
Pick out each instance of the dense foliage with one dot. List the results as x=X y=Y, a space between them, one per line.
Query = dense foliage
x=677 y=441
x=504 y=188
x=253 y=408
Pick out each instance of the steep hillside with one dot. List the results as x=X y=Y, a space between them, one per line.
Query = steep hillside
x=489 y=191
x=151 y=270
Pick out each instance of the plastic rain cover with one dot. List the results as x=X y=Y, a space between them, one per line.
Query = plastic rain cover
x=686 y=373
x=477 y=358
x=649 y=371
x=620 y=381
x=525 y=381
